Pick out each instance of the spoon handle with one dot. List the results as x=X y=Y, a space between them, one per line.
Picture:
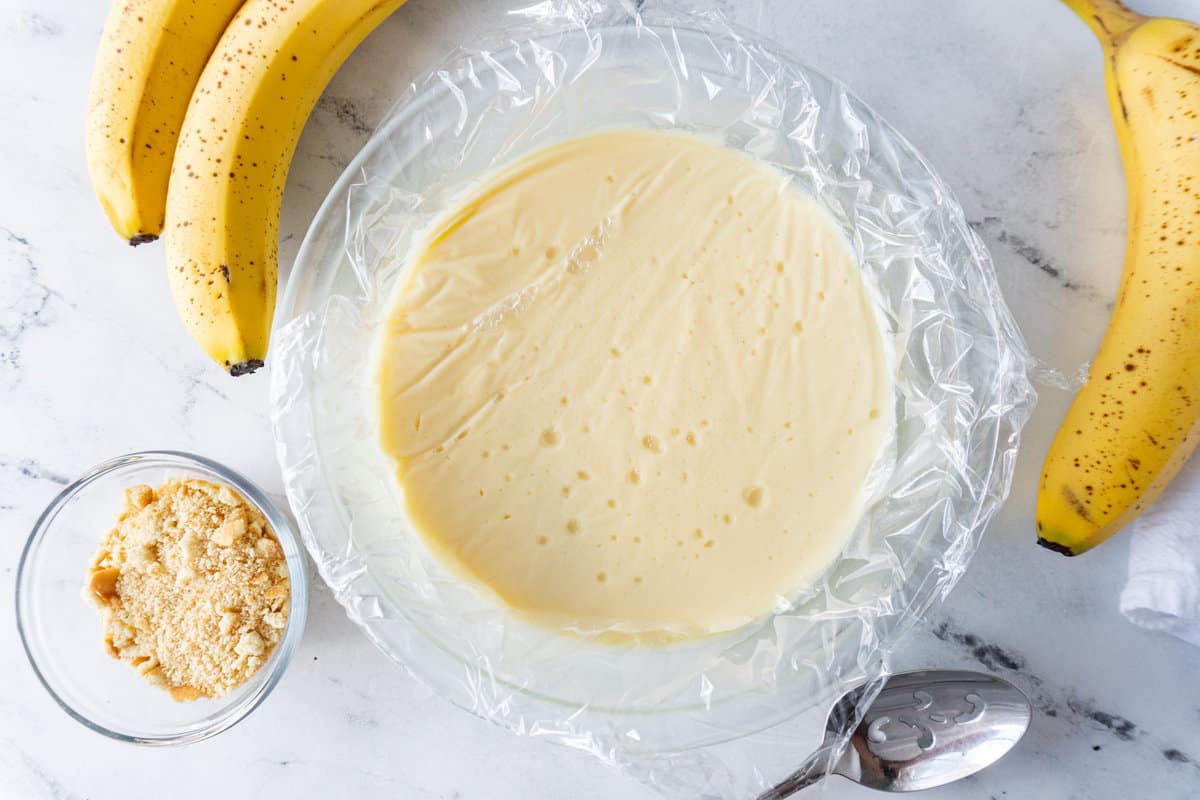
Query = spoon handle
x=811 y=772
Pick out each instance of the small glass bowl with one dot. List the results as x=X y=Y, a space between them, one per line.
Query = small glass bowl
x=61 y=630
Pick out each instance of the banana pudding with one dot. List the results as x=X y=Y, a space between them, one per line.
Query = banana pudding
x=635 y=383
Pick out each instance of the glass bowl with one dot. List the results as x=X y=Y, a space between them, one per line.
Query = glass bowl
x=61 y=630
x=961 y=398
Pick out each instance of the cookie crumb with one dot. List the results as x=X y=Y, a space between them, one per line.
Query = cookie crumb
x=192 y=587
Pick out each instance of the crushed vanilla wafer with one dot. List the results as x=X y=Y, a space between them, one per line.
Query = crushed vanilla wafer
x=192 y=587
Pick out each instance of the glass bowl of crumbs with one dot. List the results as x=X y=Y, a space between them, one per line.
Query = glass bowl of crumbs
x=160 y=597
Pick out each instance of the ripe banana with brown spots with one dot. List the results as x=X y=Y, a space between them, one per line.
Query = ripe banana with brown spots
x=232 y=160
x=150 y=58
x=1137 y=420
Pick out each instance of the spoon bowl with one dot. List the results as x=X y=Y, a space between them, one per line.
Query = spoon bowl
x=924 y=729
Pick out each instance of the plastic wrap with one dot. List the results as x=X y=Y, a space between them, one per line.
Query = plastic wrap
x=720 y=717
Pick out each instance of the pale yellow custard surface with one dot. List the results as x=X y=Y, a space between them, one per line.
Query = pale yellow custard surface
x=635 y=383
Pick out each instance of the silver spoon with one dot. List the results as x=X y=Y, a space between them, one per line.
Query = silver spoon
x=924 y=729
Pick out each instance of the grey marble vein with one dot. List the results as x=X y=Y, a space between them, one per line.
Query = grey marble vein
x=28 y=302
x=194 y=382
x=347 y=113
x=41 y=778
x=30 y=469
x=37 y=24
x=1056 y=701
x=990 y=656
x=993 y=229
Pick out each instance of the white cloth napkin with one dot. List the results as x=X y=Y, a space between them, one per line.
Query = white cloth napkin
x=1163 y=590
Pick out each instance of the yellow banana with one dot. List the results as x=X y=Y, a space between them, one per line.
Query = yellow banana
x=232 y=161
x=150 y=57
x=1137 y=420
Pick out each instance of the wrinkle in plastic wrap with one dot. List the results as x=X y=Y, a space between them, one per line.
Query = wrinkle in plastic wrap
x=727 y=716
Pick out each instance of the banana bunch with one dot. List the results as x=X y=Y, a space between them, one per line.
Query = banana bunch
x=195 y=110
x=1137 y=420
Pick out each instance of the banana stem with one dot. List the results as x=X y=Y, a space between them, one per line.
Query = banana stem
x=1108 y=19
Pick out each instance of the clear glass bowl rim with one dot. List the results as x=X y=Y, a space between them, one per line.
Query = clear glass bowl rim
x=432 y=663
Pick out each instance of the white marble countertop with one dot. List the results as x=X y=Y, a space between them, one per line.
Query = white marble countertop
x=1004 y=99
